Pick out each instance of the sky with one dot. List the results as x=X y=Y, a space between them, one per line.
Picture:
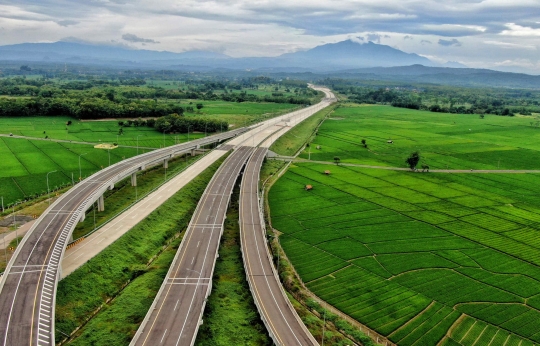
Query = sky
x=497 y=34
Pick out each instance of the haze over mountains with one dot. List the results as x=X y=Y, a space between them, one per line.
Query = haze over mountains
x=369 y=61
x=329 y=57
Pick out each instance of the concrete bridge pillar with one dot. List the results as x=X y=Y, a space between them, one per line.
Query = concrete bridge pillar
x=192 y=152
x=166 y=163
x=134 y=179
x=101 y=203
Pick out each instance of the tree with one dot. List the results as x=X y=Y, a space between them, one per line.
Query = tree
x=481 y=116
x=199 y=106
x=413 y=160
x=364 y=143
x=336 y=160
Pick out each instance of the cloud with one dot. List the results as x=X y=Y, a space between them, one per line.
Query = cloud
x=510 y=45
x=67 y=22
x=492 y=30
x=452 y=29
x=374 y=37
x=518 y=30
x=136 y=39
x=449 y=43
x=357 y=39
x=408 y=37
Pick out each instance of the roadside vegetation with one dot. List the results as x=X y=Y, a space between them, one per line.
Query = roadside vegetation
x=109 y=295
x=420 y=258
x=124 y=195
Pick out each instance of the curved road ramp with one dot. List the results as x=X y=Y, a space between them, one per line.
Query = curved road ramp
x=281 y=320
x=28 y=286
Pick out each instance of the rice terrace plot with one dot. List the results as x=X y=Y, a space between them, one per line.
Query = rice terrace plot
x=423 y=258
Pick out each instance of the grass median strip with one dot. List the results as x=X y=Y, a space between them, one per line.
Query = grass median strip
x=231 y=317
x=109 y=296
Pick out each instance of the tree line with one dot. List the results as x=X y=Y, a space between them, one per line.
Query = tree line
x=439 y=98
x=175 y=123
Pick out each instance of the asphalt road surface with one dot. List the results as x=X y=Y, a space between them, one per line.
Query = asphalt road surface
x=280 y=318
x=174 y=316
x=27 y=296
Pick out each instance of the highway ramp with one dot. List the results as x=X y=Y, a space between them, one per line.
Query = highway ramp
x=281 y=320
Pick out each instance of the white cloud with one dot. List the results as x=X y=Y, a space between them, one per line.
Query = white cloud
x=518 y=30
x=490 y=31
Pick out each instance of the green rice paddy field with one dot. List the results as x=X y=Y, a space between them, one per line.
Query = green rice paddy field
x=25 y=162
x=423 y=258
x=456 y=141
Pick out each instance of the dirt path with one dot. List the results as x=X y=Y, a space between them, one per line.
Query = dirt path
x=469 y=171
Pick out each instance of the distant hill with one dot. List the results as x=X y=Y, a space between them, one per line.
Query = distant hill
x=443 y=75
x=98 y=54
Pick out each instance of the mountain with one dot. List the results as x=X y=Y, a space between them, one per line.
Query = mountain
x=328 y=57
x=98 y=54
x=350 y=54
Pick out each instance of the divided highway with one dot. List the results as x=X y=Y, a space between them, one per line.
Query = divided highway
x=176 y=313
x=28 y=286
x=281 y=320
x=174 y=316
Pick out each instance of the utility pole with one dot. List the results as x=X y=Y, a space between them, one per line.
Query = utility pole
x=48 y=194
x=80 y=173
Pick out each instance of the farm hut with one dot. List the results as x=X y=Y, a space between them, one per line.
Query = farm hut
x=390 y=141
x=308 y=187
x=327 y=172
x=319 y=147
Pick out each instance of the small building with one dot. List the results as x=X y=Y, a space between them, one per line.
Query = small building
x=318 y=147
x=327 y=172
x=390 y=141
x=308 y=187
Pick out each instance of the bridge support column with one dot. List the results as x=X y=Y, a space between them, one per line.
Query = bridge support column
x=70 y=238
x=101 y=203
x=134 y=179
x=192 y=152
x=166 y=163
x=83 y=216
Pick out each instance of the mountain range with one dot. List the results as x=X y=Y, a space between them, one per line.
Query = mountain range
x=346 y=59
x=329 y=57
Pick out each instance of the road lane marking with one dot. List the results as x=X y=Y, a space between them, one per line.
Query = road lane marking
x=163 y=337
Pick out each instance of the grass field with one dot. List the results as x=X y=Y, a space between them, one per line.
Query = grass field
x=456 y=141
x=25 y=163
x=416 y=256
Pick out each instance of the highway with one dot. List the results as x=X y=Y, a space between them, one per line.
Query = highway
x=275 y=309
x=175 y=314
x=28 y=286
